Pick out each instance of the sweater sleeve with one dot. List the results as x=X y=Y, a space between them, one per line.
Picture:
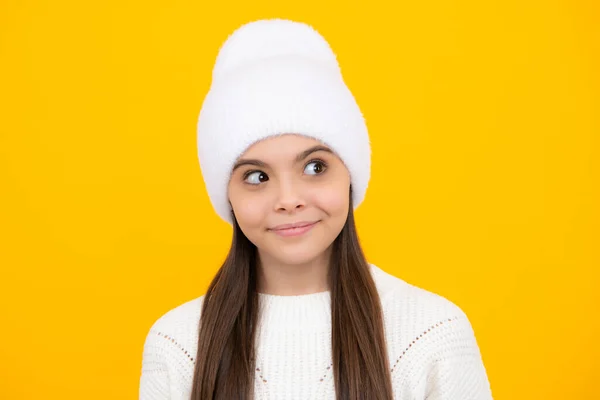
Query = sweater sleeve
x=154 y=377
x=457 y=371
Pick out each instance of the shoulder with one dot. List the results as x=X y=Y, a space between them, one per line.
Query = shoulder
x=425 y=332
x=179 y=319
x=177 y=328
x=404 y=302
x=169 y=350
x=412 y=313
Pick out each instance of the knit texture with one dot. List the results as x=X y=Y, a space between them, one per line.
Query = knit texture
x=275 y=77
x=431 y=345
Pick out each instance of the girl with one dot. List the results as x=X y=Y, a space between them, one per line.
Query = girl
x=295 y=311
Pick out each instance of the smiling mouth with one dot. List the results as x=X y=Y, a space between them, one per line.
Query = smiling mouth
x=294 y=229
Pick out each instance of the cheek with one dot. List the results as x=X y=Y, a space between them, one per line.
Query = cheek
x=249 y=212
x=333 y=198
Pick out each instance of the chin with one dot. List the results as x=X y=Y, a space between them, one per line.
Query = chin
x=297 y=258
x=296 y=254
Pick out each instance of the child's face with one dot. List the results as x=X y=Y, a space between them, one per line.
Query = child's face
x=290 y=185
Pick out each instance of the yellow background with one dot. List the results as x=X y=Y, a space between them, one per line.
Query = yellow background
x=485 y=182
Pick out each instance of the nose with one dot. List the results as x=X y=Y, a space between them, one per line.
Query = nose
x=289 y=196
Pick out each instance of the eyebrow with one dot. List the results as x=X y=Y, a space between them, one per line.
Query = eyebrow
x=301 y=156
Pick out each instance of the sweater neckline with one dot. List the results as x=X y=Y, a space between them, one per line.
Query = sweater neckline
x=305 y=312
x=293 y=298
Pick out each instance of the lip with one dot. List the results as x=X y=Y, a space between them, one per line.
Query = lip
x=294 y=229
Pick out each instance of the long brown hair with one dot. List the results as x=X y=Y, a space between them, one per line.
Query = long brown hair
x=225 y=361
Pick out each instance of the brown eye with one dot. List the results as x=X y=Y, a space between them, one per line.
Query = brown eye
x=256 y=177
x=315 y=168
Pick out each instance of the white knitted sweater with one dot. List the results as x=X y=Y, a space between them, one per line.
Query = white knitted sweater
x=431 y=345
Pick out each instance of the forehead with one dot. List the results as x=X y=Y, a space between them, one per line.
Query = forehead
x=285 y=145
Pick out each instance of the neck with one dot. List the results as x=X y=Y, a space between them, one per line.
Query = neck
x=293 y=279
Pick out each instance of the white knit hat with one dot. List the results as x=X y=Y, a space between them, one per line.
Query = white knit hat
x=275 y=77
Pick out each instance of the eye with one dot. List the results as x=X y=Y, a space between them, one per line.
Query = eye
x=315 y=167
x=255 y=177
